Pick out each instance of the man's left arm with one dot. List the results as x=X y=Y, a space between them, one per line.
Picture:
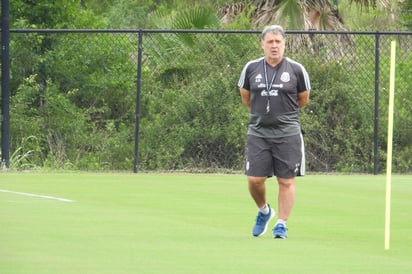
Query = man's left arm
x=303 y=86
x=303 y=98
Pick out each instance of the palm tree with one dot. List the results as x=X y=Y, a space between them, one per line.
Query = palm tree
x=303 y=14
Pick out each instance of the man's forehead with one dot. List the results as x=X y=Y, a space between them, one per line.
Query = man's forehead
x=270 y=36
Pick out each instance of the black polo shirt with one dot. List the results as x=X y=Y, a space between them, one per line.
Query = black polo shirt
x=274 y=92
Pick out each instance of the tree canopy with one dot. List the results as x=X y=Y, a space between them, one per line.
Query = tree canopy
x=303 y=14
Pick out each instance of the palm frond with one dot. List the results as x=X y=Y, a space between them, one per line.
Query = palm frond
x=195 y=18
x=370 y=3
x=290 y=14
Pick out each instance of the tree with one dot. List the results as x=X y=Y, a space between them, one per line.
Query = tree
x=74 y=99
x=51 y=14
x=303 y=14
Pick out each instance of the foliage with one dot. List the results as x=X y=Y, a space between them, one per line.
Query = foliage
x=74 y=94
x=406 y=14
x=67 y=135
x=402 y=105
x=381 y=15
x=23 y=157
x=335 y=113
x=191 y=123
x=52 y=14
x=133 y=13
x=97 y=6
x=99 y=76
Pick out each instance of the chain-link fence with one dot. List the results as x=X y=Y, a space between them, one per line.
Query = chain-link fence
x=168 y=100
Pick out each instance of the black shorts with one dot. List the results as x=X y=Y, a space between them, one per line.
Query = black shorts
x=283 y=157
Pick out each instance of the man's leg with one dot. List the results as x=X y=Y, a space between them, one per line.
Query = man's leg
x=286 y=199
x=257 y=190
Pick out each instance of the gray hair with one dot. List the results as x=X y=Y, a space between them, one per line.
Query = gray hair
x=272 y=29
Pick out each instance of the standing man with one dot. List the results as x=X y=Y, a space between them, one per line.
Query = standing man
x=274 y=88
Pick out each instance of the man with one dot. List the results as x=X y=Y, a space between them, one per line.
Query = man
x=274 y=88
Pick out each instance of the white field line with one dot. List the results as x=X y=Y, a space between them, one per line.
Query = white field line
x=37 y=195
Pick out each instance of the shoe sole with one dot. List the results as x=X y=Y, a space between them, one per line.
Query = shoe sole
x=280 y=237
x=267 y=223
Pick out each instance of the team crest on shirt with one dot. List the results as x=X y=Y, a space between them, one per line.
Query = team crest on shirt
x=258 y=78
x=285 y=77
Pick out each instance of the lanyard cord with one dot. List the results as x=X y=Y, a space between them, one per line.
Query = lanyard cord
x=268 y=85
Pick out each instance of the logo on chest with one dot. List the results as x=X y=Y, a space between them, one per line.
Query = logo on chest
x=285 y=77
x=258 y=78
x=272 y=92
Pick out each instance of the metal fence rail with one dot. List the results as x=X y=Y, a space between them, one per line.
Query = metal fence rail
x=172 y=94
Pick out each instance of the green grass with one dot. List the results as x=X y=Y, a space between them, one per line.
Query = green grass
x=196 y=223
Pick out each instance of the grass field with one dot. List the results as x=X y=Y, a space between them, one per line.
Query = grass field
x=198 y=223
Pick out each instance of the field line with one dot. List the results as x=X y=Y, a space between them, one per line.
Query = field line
x=37 y=195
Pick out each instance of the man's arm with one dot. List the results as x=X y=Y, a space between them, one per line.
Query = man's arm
x=245 y=94
x=303 y=98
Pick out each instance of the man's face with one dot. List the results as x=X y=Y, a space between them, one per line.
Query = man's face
x=273 y=46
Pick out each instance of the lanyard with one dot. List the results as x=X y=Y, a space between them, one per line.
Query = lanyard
x=268 y=85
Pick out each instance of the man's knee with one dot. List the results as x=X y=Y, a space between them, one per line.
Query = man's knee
x=286 y=182
x=256 y=180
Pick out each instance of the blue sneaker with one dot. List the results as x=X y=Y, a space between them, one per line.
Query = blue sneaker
x=280 y=231
x=262 y=221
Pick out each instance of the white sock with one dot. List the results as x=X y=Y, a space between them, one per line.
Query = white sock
x=264 y=209
x=281 y=221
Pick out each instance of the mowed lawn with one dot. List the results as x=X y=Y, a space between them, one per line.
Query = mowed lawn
x=198 y=223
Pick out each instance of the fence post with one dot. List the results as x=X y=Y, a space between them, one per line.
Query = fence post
x=376 y=118
x=5 y=84
x=138 y=91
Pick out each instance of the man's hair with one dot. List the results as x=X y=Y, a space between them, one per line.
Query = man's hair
x=273 y=29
